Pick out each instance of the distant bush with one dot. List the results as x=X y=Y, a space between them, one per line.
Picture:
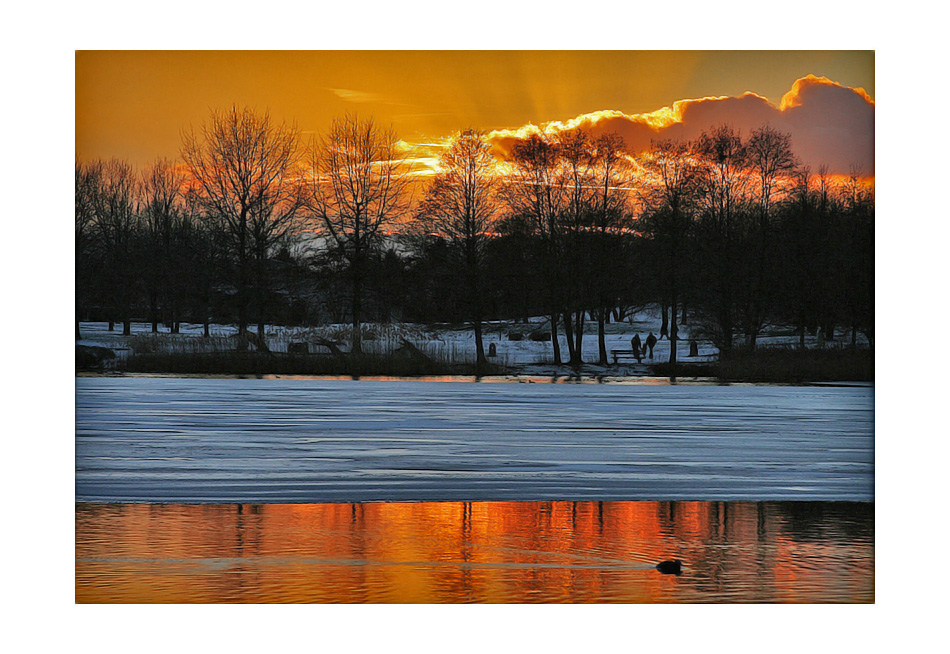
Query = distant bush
x=540 y=335
x=262 y=363
x=782 y=365
x=515 y=336
x=91 y=357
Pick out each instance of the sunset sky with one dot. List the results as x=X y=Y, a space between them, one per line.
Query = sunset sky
x=134 y=104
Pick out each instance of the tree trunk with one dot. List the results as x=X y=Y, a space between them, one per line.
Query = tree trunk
x=480 y=360
x=153 y=305
x=242 y=300
x=829 y=331
x=674 y=335
x=554 y=340
x=665 y=325
x=261 y=290
x=569 y=333
x=579 y=337
x=242 y=278
x=126 y=327
x=602 y=318
x=78 y=333
x=471 y=263
x=357 y=339
x=725 y=329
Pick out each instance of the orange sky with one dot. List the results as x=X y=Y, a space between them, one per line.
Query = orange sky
x=133 y=104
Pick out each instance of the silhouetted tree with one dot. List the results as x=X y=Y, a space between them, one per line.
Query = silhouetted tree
x=161 y=217
x=359 y=188
x=459 y=206
x=670 y=200
x=857 y=242
x=88 y=181
x=770 y=161
x=116 y=216
x=536 y=190
x=799 y=282
x=575 y=263
x=721 y=227
x=611 y=230
x=245 y=167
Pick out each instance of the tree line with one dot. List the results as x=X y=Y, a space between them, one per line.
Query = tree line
x=728 y=232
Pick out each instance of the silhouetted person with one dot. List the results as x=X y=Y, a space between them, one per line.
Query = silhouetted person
x=693 y=348
x=651 y=341
x=635 y=344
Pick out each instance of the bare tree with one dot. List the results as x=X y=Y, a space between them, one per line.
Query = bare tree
x=161 y=192
x=359 y=187
x=246 y=167
x=88 y=181
x=610 y=171
x=721 y=154
x=670 y=198
x=577 y=163
x=460 y=207
x=116 y=215
x=536 y=189
x=769 y=157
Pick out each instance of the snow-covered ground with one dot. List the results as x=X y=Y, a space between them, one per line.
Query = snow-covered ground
x=524 y=356
x=297 y=440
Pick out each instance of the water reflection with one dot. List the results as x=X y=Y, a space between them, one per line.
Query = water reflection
x=475 y=552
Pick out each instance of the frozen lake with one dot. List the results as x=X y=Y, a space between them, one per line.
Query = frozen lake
x=178 y=440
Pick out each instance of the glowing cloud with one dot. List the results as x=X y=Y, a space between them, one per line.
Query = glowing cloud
x=830 y=124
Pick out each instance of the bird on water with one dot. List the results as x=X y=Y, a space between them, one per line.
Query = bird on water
x=670 y=567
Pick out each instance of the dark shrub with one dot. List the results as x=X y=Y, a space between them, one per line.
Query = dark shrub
x=91 y=357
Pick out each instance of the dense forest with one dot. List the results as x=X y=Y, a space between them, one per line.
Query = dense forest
x=255 y=226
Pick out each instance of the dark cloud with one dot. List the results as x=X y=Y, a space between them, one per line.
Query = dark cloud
x=830 y=124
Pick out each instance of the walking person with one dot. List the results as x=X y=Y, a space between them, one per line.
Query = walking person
x=651 y=342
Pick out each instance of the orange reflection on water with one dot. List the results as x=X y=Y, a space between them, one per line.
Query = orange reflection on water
x=474 y=552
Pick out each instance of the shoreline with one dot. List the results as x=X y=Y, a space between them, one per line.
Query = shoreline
x=516 y=378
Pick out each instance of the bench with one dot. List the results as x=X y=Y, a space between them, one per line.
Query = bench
x=632 y=354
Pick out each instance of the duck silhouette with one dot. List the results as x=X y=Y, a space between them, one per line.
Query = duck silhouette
x=670 y=567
